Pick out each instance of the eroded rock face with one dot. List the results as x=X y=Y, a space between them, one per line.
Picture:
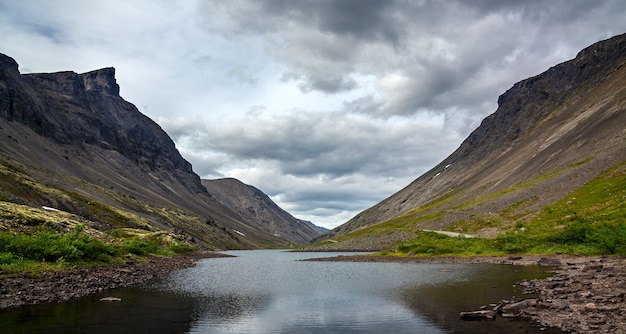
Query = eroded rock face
x=102 y=80
x=255 y=206
x=77 y=109
x=66 y=128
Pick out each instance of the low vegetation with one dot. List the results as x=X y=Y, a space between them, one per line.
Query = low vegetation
x=589 y=221
x=32 y=240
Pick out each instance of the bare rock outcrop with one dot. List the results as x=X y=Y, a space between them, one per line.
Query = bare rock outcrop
x=586 y=295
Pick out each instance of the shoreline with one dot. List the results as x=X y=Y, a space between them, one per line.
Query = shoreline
x=59 y=286
x=584 y=295
x=546 y=260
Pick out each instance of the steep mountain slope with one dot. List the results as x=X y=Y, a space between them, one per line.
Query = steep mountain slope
x=550 y=135
x=255 y=206
x=69 y=141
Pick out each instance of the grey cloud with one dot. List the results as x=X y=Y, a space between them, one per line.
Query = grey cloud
x=334 y=144
x=362 y=19
x=402 y=82
x=351 y=200
x=243 y=75
x=325 y=42
x=329 y=83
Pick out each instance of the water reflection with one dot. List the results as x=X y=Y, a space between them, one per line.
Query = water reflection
x=139 y=312
x=280 y=295
x=271 y=292
x=313 y=314
x=488 y=284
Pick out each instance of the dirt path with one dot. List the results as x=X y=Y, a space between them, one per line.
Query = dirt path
x=452 y=234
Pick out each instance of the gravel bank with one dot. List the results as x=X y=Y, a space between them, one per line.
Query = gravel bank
x=585 y=294
x=59 y=286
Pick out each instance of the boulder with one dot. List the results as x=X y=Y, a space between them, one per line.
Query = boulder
x=478 y=315
x=548 y=262
x=518 y=307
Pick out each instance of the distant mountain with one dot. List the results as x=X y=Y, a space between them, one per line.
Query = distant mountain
x=550 y=135
x=255 y=206
x=70 y=142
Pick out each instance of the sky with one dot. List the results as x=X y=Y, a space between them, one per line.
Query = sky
x=327 y=106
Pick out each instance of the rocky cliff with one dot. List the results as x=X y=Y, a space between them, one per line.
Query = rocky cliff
x=70 y=142
x=255 y=206
x=551 y=134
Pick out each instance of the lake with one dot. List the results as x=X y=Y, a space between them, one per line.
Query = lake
x=270 y=291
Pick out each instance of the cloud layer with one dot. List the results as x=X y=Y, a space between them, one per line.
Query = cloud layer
x=327 y=106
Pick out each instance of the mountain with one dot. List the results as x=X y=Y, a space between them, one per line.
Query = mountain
x=70 y=142
x=551 y=135
x=255 y=206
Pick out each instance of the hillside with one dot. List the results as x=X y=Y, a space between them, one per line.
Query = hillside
x=551 y=135
x=255 y=206
x=70 y=142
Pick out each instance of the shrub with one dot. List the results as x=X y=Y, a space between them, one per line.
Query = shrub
x=600 y=238
x=7 y=257
x=50 y=246
x=138 y=247
x=513 y=243
x=182 y=247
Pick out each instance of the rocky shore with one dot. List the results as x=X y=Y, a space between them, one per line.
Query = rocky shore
x=585 y=294
x=59 y=286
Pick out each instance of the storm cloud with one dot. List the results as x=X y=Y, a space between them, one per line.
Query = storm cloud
x=327 y=106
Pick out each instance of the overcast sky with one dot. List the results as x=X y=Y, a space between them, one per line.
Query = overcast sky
x=326 y=106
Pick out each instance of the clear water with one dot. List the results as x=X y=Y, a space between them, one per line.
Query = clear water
x=269 y=291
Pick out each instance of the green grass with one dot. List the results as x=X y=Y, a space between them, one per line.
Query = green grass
x=589 y=221
x=43 y=248
x=45 y=245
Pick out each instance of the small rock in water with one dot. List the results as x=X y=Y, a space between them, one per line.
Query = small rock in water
x=517 y=308
x=549 y=262
x=111 y=299
x=478 y=315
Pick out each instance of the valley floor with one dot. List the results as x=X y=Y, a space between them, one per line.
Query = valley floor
x=585 y=294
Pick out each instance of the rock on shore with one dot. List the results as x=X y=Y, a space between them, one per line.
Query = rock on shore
x=59 y=286
x=585 y=294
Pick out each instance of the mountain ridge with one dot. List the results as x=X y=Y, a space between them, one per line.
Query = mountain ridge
x=254 y=205
x=71 y=142
x=555 y=131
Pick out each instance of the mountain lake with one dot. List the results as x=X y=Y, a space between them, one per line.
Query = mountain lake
x=270 y=291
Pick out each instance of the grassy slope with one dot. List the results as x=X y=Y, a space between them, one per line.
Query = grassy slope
x=589 y=220
x=34 y=238
x=20 y=187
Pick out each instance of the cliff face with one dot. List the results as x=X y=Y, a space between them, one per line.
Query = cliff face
x=550 y=134
x=93 y=113
x=255 y=206
x=69 y=140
